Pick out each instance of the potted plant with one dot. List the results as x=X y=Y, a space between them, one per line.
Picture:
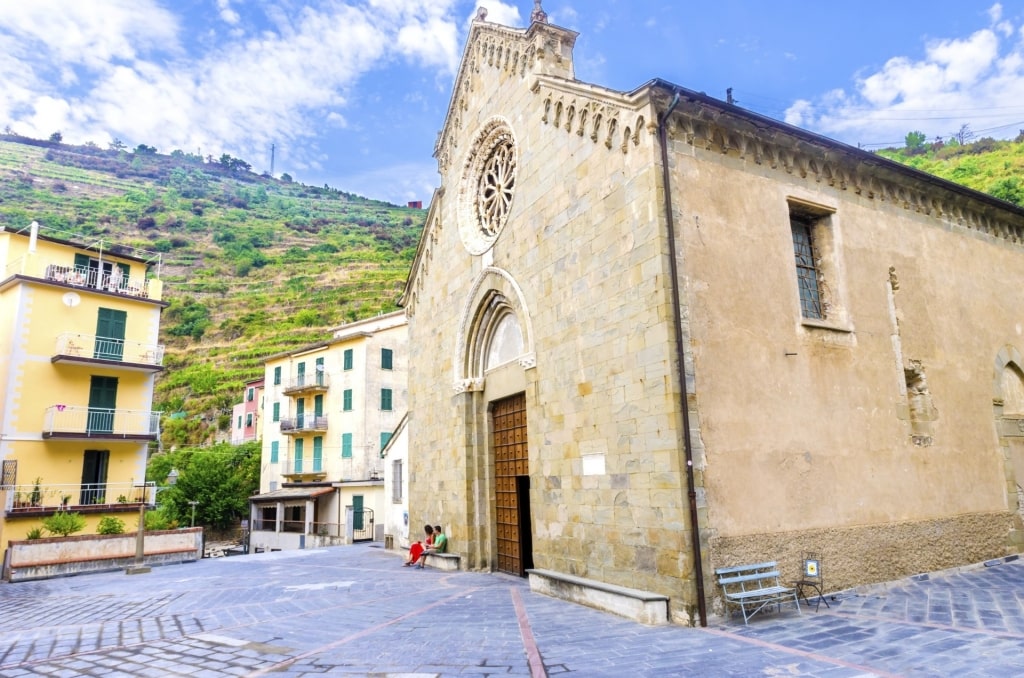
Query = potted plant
x=36 y=497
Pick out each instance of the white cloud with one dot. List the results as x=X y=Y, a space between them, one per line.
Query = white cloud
x=977 y=80
x=99 y=69
x=499 y=13
x=227 y=14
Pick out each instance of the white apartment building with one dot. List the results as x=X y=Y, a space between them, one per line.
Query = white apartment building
x=328 y=411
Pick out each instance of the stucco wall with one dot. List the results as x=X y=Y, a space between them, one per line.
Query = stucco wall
x=806 y=427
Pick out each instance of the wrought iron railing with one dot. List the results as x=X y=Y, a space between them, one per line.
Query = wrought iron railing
x=100 y=422
x=41 y=497
x=292 y=465
x=305 y=422
x=105 y=348
x=318 y=379
x=81 y=276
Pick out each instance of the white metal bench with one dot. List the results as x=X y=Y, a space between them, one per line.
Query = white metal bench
x=755 y=588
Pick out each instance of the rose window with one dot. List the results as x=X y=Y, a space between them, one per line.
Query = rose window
x=497 y=181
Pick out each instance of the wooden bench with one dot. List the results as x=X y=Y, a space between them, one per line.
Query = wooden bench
x=755 y=588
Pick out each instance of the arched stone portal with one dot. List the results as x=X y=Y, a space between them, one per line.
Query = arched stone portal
x=492 y=378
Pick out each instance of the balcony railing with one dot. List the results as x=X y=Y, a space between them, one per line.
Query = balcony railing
x=307 y=383
x=78 y=496
x=89 y=346
x=70 y=421
x=86 y=278
x=294 y=466
x=303 y=424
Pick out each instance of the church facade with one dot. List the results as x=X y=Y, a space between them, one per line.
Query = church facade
x=653 y=334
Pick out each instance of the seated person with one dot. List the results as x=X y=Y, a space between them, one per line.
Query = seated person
x=440 y=545
x=416 y=550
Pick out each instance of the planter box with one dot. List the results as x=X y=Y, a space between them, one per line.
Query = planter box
x=65 y=556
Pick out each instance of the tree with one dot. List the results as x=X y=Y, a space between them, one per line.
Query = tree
x=287 y=178
x=117 y=145
x=220 y=479
x=1009 y=189
x=143 y=149
x=915 y=142
x=56 y=137
x=963 y=135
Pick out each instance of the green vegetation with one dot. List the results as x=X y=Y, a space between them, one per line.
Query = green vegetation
x=252 y=266
x=63 y=523
x=987 y=165
x=34 y=533
x=219 y=478
x=110 y=525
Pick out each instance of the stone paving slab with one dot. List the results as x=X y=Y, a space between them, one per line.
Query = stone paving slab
x=354 y=611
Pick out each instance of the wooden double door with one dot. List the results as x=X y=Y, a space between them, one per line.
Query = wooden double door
x=512 y=485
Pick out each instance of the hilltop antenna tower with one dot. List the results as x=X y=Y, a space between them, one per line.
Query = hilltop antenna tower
x=272 y=159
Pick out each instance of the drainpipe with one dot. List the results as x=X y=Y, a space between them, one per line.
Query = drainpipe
x=680 y=357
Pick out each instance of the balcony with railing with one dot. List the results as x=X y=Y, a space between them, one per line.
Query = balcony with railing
x=74 y=347
x=40 y=499
x=303 y=467
x=100 y=423
x=86 y=278
x=304 y=423
x=304 y=384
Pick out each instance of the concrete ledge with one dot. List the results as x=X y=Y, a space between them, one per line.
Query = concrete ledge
x=642 y=606
x=442 y=561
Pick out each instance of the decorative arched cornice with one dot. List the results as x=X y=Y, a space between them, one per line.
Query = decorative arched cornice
x=493 y=291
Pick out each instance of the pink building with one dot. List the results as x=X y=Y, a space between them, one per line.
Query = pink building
x=245 y=416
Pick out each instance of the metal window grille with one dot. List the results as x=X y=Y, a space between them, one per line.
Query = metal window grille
x=807 y=274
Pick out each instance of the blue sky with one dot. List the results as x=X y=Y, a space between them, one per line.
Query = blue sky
x=352 y=93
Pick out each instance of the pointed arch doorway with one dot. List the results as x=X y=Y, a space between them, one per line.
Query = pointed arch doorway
x=514 y=548
x=494 y=369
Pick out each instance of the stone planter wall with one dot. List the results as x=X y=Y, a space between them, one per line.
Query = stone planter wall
x=30 y=559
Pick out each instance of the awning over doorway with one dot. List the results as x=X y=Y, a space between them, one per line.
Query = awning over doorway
x=290 y=493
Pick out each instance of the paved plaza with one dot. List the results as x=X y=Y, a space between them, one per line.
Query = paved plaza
x=356 y=611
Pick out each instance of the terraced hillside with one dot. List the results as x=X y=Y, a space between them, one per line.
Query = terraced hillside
x=252 y=266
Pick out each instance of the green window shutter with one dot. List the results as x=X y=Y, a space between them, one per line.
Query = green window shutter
x=385 y=399
x=274 y=447
x=386 y=359
x=277 y=376
x=81 y=262
x=239 y=422
x=252 y=394
x=319 y=371
x=385 y=437
x=277 y=412
x=318 y=454
x=346 y=445
x=110 y=329
x=298 y=456
x=248 y=419
x=348 y=359
x=347 y=400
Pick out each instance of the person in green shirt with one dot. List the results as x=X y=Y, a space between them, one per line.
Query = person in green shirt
x=440 y=545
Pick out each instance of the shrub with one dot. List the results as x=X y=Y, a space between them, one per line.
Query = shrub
x=158 y=520
x=34 y=533
x=110 y=525
x=63 y=524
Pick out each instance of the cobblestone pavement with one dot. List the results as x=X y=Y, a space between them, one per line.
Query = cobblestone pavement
x=355 y=611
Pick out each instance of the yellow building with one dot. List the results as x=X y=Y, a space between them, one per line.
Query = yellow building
x=78 y=360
